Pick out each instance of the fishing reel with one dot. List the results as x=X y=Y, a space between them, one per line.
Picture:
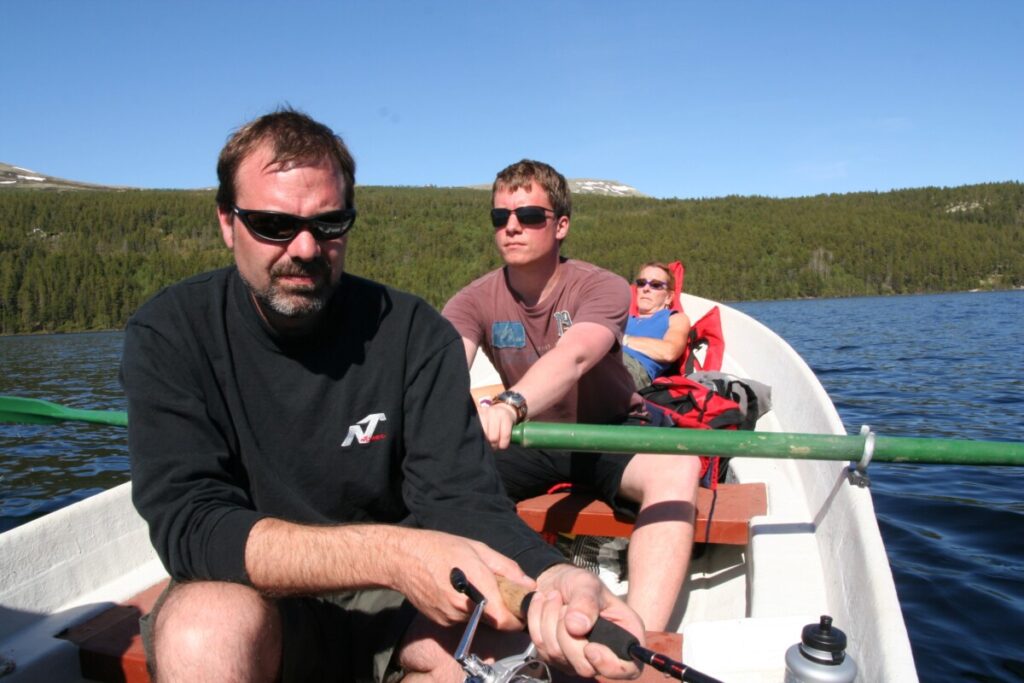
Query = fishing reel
x=526 y=668
x=516 y=669
x=523 y=668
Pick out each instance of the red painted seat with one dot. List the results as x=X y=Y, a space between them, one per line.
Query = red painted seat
x=734 y=506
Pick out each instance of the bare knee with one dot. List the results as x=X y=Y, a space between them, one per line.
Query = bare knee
x=217 y=631
x=651 y=479
x=425 y=652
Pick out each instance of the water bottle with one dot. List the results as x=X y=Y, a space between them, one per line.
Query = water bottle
x=820 y=656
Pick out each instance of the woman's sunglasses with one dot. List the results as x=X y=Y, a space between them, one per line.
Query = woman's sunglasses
x=274 y=226
x=531 y=216
x=653 y=284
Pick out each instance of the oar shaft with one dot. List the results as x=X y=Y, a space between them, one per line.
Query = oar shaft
x=633 y=439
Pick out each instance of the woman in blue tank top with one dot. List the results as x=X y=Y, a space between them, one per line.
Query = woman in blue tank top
x=656 y=337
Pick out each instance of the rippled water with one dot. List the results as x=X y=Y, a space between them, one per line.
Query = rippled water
x=927 y=366
x=45 y=467
x=935 y=366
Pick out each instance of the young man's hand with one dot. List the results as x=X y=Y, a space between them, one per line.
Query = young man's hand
x=497 y=419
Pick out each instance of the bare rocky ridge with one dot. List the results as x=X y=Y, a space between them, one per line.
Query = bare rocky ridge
x=612 y=188
x=606 y=187
x=20 y=177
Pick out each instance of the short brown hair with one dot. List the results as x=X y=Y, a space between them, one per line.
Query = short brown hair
x=295 y=137
x=662 y=266
x=523 y=174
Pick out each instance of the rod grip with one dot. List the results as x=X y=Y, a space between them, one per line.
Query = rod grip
x=607 y=633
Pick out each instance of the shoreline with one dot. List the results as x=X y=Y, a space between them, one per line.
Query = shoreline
x=42 y=333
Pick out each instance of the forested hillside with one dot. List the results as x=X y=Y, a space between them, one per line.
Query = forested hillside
x=82 y=260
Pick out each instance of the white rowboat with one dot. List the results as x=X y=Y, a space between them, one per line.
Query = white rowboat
x=817 y=551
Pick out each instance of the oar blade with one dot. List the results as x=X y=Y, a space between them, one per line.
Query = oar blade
x=19 y=410
x=11 y=417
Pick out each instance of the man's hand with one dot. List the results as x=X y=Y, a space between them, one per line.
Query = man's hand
x=414 y=562
x=422 y=572
x=564 y=610
x=497 y=419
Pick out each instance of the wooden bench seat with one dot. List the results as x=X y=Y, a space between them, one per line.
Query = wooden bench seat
x=109 y=644
x=110 y=647
x=734 y=506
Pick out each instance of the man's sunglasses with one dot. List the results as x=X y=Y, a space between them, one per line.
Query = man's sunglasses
x=526 y=215
x=653 y=284
x=274 y=226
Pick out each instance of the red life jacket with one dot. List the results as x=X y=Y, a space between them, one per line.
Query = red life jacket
x=705 y=345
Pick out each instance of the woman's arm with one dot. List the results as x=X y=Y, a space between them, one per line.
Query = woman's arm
x=669 y=348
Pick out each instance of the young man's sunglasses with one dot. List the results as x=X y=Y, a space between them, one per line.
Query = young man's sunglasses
x=526 y=215
x=274 y=226
x=654 y=284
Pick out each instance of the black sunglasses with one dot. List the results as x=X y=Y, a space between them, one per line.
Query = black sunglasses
x=274 y=226
x=654 y=284
x=526 y=215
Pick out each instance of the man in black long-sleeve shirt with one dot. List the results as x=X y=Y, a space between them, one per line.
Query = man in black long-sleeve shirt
x=307 y=457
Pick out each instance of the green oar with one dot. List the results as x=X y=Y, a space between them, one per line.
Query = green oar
x=624 y=439
x=37 y=411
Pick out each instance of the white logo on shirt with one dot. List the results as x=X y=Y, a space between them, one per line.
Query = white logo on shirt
x=564 y=321
x=365 y=434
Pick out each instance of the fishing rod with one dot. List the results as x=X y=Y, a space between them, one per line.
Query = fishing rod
x=525 y=668
x=635 y=439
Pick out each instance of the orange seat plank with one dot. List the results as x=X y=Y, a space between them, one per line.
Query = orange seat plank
x=579 y=514
x=109 y=644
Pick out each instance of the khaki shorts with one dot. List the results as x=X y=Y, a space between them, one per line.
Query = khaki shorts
x=342 y=637
x=637 y=371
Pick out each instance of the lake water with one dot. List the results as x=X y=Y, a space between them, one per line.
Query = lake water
x=949 y=365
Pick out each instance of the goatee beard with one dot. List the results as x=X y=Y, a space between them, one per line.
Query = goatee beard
x=295 y=303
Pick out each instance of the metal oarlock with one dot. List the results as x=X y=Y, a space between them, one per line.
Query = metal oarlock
x=858 y=473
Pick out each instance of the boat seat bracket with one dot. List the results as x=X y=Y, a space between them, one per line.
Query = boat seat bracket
x=857 y=473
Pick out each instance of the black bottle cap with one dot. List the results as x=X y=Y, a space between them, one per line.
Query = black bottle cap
x=824 y=637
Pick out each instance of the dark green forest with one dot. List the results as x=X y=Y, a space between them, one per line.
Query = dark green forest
x=86 y=259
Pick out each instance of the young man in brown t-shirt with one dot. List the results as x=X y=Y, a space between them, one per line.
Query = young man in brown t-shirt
x=553 y=329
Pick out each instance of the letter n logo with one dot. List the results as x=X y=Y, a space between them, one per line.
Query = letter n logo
x=364 y=433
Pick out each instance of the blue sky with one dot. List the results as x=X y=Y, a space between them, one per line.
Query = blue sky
x=678 y=99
